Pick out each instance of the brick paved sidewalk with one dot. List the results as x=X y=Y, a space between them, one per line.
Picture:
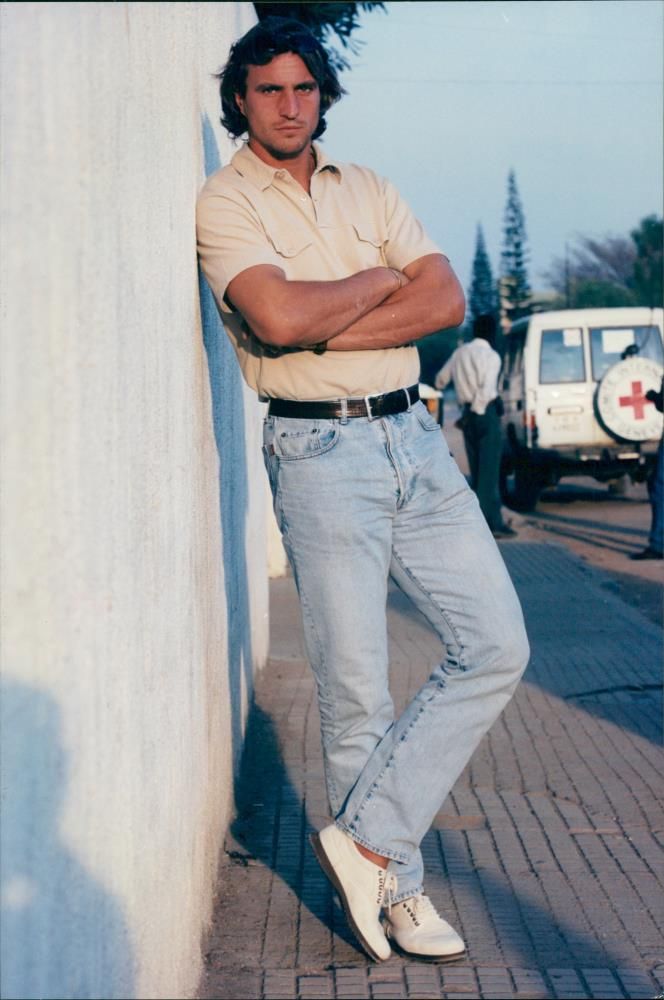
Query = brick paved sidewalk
x=548 y=855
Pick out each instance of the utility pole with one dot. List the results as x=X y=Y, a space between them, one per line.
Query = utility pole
x=567 y=296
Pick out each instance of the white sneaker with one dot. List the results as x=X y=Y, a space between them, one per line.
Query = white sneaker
x=415 y=926
x=363 y=887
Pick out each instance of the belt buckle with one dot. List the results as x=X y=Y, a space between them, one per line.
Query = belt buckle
x=367 y=403
x=410 y=405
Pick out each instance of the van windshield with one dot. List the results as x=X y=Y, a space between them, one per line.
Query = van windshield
x=561 y=356
x=609 y=343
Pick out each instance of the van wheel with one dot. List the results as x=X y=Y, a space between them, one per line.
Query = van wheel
x=520 y=485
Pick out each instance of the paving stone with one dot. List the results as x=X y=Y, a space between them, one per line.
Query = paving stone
x=602 y=983
x=529 y=984
x=566 y=984
x=351 y=984
x=636 y=983
x=314 y=986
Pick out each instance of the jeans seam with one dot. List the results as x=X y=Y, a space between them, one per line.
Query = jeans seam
x=331 y=784
x=440 y=685
x=447 y=619
x=388 y=763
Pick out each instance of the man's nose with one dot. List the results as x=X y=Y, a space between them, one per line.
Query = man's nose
x=290 y=104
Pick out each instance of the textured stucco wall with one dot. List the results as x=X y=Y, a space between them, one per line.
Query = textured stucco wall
x=133 y=510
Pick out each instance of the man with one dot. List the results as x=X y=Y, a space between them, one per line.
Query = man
x=474 y=369
x=324 y=278
x=655 y=547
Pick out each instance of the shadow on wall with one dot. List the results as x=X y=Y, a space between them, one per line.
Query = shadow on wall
x=63 y=934
x=229 y=432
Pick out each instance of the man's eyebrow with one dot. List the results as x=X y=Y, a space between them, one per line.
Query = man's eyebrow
x=265 y=84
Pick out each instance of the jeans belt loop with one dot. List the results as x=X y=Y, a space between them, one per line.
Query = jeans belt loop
x=344 y=411
x=410 y=405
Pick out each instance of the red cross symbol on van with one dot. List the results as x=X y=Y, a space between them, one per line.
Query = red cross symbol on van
x=637 y=400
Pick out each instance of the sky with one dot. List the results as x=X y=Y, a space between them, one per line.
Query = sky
x=444 y=98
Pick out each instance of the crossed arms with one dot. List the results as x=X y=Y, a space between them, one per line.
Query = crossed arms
x=370 y=310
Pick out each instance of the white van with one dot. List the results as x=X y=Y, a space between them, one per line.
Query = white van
x=573 y=385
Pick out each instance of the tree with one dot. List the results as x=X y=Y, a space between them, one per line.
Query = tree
x=611 y=270
x=648 y=266
x=482 y=293
x=594 y=272
x=323 y=19
x=514 y=286
x=591 y=294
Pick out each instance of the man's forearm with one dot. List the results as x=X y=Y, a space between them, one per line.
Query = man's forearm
x=433 y=300
x=285 y=313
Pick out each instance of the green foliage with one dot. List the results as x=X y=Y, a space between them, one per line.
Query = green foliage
x=482 y=293
x=323 y=19
x=649 y=264
x=435 y=349
x=589 y=294
x=612 y=271
x=514 y=258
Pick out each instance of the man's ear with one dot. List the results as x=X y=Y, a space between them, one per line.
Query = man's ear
x=239 y=100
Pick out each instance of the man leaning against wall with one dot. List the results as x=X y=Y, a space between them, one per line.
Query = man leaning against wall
x=324 y=280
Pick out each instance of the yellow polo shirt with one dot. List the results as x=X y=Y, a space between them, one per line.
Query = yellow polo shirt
x=249 y=213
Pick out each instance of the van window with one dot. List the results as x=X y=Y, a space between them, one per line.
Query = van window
x=561 y=356
x=608 y=344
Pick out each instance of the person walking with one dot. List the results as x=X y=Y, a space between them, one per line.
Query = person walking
x=324 y=278
x=474 y=368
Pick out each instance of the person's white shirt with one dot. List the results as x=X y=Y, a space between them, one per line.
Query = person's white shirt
x=474 y=369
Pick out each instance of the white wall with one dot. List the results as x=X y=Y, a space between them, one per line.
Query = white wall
x=133 y=511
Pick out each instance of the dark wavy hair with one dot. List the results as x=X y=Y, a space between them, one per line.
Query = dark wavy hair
x=485 y=327
x=273 y=36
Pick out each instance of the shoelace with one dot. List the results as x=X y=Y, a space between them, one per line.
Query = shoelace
x=390 y=890
x=423 y=907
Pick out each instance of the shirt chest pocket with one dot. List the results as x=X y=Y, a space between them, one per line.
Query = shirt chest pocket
x=359 y=244
x=291 y=244
x=369 y=243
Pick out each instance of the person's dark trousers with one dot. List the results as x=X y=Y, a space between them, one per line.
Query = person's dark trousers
x=482 y=436
x=656 y=495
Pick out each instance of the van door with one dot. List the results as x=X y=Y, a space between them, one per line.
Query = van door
x=512 y=384
x=564 y=405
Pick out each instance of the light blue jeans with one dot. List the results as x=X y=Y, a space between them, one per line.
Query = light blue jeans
x=359 y=502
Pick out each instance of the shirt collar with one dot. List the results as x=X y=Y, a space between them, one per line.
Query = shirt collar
x=263 y=175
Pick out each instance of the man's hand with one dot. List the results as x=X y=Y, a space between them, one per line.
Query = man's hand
x=431 y=299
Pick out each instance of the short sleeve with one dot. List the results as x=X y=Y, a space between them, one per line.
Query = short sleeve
x=406 y=238
x=230 y=239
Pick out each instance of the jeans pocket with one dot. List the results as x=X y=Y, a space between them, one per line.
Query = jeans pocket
x=269 y=453
x=298 y=439
x=270 y=466
x=426 y=419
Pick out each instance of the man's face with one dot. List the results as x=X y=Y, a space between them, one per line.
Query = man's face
x=282 y=107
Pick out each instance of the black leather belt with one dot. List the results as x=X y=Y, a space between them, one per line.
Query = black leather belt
x=367 y=406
